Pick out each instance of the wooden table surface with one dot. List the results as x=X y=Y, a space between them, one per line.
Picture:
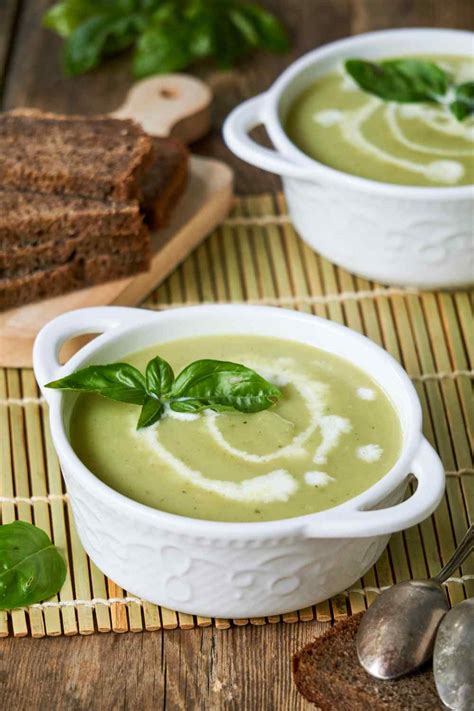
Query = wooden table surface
x=245 y=668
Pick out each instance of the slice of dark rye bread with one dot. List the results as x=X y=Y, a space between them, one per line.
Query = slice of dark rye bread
x=27 y=260
x=74 y=274
x=91 y=156
x=30 y=219
x=163 y=184
x=327 y=673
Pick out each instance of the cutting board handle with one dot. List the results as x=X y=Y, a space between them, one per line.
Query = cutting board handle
x=175 y=105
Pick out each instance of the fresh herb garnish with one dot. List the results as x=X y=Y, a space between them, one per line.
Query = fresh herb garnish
x=413 y=81
x=205 y=384
x=463 y=104
x=167 y=35
x=31 y=567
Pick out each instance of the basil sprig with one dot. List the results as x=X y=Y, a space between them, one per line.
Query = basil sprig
x=31 y=567
x=166 y=35
x=413 y=81
x=205 y=384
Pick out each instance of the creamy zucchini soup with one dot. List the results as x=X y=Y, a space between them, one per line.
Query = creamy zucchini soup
x=330 y=436
x=339 y=124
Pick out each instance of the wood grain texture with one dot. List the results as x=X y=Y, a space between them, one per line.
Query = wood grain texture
x=239 y=668
x=207 y=669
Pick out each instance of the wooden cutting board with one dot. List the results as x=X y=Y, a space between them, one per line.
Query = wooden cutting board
x=175 y=105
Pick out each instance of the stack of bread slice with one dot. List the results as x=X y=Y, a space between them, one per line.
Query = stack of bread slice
x=77 y=197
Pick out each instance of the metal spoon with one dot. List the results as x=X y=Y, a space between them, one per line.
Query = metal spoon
x=397 y=633
x=453 y=657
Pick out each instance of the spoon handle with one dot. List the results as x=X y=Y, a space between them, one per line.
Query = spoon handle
x=461 y=552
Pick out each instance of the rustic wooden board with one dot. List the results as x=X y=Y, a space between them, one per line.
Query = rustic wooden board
x=203 y=206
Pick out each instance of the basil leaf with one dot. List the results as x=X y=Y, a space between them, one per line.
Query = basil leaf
x=401 y=80
x=168 y=35
x=159 y=377
x=64 y=17
x=197 y=406
x=162 y=48
x=272 y=34
x=97 y=37
x=245 y=26
x=31 y=567
x=219 y=383
x=214 y=384
x=118 y=381
x=150 y=413
x=188 y=405
x=463 y=105
x=202 y=44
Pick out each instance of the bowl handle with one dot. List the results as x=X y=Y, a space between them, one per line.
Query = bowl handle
x=236 y=134
x=76 y=323
x=428 y=470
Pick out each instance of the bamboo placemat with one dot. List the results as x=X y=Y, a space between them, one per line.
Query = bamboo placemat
x=256 y=257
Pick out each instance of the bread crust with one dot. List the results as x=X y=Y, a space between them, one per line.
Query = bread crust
x=29 y=219
x=164 y=183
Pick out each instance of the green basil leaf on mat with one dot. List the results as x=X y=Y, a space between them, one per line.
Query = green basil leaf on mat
x=401 y=80
x=118 y=381
x=150 y=413
x=31 y=568
x=463 y=105
x=219 y=383
x=159 y=377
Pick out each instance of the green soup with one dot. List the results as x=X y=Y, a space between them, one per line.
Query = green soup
x=331 y=436
x=338 y=124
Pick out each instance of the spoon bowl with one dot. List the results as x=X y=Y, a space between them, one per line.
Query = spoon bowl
x=453 y=658
x=397 y=633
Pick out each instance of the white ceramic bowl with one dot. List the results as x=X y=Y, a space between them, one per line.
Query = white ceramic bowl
x=412 y=236
x=233 y=569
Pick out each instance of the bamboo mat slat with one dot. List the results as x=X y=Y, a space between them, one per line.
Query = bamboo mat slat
x=255 y=256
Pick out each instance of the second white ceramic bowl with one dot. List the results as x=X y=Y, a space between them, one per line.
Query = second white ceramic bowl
x=233 y=569
x=394 y=234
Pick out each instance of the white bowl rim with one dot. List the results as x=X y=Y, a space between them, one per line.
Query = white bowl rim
x=277 y=528
x=282 y=142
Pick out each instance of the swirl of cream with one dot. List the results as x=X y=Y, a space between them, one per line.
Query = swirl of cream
x=391 y=117
x=276 y=485
x=443 y=171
